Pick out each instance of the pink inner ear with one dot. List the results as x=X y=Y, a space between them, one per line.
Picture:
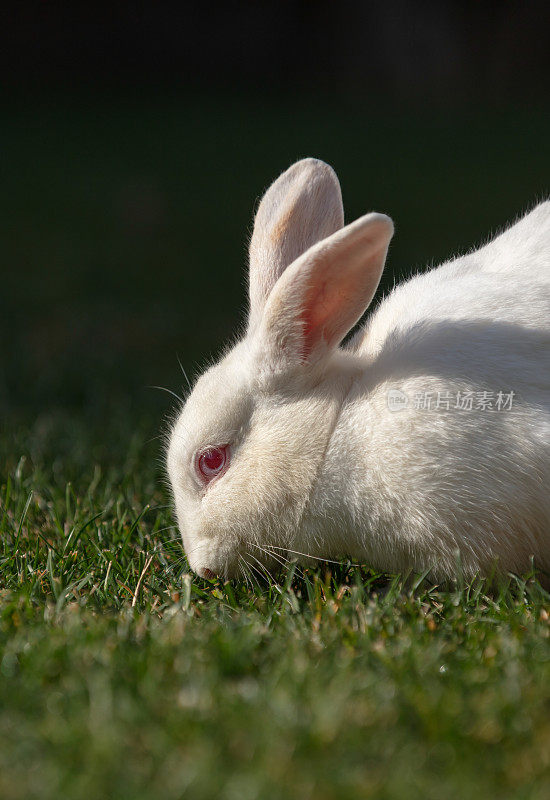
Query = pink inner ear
x=331 y=308
x=324 y=293
x=309 y=317
x=313 y=318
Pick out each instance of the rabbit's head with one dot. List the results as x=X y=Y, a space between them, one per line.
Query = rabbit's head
x=250 y=440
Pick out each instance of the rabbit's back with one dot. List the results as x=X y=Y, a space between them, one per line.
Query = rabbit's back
x=474 y=326
x=521 y=249
x=443 y=445
x=498 y=296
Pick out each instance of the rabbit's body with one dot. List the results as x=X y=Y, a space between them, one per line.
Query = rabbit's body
x=440 y=480
x=321 y=464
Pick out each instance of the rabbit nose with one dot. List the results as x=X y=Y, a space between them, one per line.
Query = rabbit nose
x=204 y=572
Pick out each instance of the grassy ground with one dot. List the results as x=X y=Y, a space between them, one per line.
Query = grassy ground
x=122 y=675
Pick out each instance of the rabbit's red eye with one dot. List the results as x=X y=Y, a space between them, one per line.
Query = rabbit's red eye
x=212 y=462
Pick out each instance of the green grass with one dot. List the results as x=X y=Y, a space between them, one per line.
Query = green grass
x=124 y=676
x=123 y=228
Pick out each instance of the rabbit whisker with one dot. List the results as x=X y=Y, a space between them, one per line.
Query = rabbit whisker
x=245 y=573
x=164 y=389
x=256 y=570
x=166 y=528
x=241 y=571
x=154 y=438
x=284 y=562
x=255 y=581
x=185 y=374
x=308 y=555
x=264 y=570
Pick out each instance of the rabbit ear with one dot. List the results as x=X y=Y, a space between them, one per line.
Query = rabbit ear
x=303 y=206
x=319 y=298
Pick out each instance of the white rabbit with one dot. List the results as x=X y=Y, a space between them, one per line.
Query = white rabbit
x=295 y=444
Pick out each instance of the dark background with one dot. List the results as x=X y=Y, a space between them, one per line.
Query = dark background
x=135 y=141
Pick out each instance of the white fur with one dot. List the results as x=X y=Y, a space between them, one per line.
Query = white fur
x=319 y=464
